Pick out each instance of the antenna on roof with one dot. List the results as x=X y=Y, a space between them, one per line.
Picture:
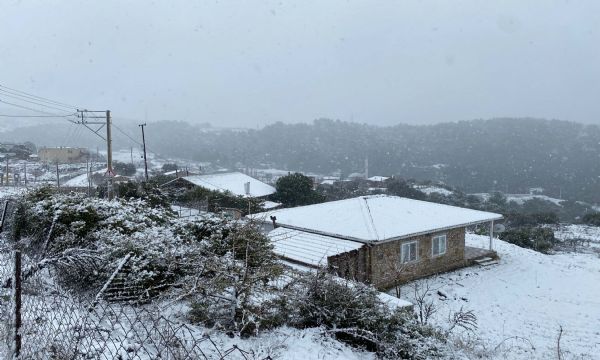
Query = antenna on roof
x=371 y=217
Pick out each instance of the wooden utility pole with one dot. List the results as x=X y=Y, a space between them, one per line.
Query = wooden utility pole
x=7 y=171
x=57 y=177
x=109 y=168
x=144 y=143
x=84 y=116
x=25 y=170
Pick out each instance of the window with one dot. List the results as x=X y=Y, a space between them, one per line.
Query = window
x=408 y=252
x=438 y=245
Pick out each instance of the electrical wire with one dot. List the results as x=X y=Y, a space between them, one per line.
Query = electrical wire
x=36 y=110
x=33 y=116
x=17 y=97
x=138 y=143
x=39 y=98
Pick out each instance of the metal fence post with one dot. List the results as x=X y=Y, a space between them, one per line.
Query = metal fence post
x=17 y=303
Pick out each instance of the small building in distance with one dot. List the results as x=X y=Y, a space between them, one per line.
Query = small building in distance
x=378 y=239
x=63 y=155
x=234 y=182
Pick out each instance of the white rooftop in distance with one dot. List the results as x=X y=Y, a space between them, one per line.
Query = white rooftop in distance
x=308 y=248
x=378 y=178
x=232 y=182
x=376 y=217
x=270 y=204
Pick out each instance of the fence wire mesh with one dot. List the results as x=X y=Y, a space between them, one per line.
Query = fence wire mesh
x=58 y=325
x=6 y=271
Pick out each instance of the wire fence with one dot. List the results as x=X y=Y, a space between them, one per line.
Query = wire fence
x=44 y=321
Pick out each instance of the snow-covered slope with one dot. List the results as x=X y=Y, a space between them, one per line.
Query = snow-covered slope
x=523 y=301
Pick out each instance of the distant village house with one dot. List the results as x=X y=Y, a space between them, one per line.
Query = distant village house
x=63 y=155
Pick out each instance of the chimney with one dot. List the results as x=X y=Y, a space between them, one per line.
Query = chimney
x=247 y=188
x=274 y=220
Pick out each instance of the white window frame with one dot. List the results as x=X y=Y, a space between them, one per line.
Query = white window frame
x=407 y=245
x=439 y=247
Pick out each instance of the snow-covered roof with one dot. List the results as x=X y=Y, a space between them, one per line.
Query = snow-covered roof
x=270 y=204
x=378 y=178
x=233 y=182
x=376 y=218
x=308 y=248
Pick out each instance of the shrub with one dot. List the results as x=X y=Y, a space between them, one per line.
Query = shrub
x=126 y=169
x=353 y=313
x=533 y=219
x=536 y=238
x=236 y=273
x=592 y=219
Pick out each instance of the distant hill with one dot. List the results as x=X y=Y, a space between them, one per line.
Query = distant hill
x=480 y=155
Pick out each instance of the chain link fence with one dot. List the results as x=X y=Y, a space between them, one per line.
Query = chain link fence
x=55 y=324
x=6 y=272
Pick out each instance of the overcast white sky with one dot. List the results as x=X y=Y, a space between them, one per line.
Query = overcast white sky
x=250 y=63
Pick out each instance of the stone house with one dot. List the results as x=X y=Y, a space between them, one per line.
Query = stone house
x=379 y=239
x=63 y=155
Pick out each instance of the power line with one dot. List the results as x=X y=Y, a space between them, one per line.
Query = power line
x=40 y=98
x=138 y=143
x=33 y=116
x=36 y=110
x=127 y=135
x=20 y=98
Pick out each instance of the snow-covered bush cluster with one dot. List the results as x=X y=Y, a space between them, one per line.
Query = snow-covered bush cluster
x=537 y=238
x=223 y=273
x=85 y=238
x=354 y=313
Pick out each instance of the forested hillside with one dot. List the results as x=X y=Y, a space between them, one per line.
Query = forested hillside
x=510 y=155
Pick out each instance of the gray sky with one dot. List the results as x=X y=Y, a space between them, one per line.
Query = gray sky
x=255 y=62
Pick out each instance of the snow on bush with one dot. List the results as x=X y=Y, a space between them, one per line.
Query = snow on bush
x=223 y=274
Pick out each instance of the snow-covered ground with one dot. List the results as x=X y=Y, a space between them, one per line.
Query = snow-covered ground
x=521 y=198
x=6 y=191
x=589 y=236
x=522 y=302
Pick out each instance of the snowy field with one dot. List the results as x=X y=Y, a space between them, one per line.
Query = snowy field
x=587 y=235
x=522 y=302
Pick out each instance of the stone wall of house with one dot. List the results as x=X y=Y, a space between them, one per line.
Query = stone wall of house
x=351 y=265
x=387 y=270
x=383 y=268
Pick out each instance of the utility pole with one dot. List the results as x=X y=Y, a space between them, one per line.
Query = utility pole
x=144 y=143
x=7 y=170
x=57 y=177
x=84 y=116
x=109 y=169
x=25 y=170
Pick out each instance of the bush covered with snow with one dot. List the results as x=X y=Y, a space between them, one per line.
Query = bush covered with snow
x=223 y=274
x=217 y=200
x=57 y=229
x=537 y=238
x=354 y=313
x=231 y=285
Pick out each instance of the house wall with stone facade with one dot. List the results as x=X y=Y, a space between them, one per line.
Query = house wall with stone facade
x=351 y=265
x=380 y=264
